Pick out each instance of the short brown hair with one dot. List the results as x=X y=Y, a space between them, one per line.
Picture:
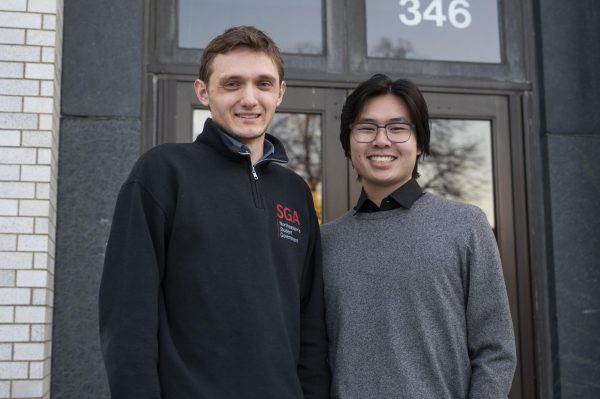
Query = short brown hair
x=239 y=36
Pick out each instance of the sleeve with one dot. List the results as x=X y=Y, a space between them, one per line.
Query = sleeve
x=129 y=295
x=313 y=366
x=490 y=336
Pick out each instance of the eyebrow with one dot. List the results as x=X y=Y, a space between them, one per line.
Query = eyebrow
x=268 y=77
x=400 y=119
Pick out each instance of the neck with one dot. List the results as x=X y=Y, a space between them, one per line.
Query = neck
x=256 y=150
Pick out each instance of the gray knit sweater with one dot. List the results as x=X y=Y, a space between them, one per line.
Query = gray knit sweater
x=416 y=304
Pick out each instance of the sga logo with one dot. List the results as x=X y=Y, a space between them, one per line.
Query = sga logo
x=287 y=214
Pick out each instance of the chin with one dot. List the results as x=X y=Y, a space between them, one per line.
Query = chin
x=250 y=135
x=246 y=135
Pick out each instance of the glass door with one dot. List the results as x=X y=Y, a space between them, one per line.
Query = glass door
x=475 y=159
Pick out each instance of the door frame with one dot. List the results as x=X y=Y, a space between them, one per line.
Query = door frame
x=176 y=101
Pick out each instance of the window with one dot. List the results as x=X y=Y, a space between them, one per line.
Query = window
x=297 y=25
x=345 y=40
x=445 y=30
x=460 y=164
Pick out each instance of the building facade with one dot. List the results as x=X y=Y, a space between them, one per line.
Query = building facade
x=513 y=88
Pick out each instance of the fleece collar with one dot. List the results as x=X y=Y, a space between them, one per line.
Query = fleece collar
x=217 y=138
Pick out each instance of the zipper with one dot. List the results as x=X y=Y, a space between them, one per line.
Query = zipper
x=254 y=182
x=255 y=191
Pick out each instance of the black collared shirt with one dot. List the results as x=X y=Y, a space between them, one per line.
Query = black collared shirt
x=404 y=196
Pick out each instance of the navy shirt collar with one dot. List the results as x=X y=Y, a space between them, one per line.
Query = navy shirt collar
x=268 y=147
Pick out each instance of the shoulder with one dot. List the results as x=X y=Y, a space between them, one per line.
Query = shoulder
x=457 y=223
x=159 y=171
x=287 y=173
x=452 y=212
x=164 y=153
x=331 y=228
x=435 y=202
x=158 y=160
x=289 y=179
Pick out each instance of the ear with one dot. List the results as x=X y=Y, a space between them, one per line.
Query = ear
x=419 y=151
x=281 y=93
x=201 y=90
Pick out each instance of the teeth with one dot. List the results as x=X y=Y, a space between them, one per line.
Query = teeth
x=253 y=116
x=381 y=158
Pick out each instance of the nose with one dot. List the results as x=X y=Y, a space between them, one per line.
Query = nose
x=249 y=96
x=381 y=138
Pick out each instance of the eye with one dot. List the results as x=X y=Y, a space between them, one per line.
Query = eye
x=398 y=127
x=265 y=84
x=365 y=128
x=231 y=85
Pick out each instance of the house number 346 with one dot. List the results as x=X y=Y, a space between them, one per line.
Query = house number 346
x=458 y=13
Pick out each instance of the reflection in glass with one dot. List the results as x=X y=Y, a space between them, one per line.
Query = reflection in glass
x=301 y=137
x=445 y=30
x=296 y=26
x=460 y=165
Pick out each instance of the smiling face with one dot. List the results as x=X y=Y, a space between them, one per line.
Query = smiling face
x=383 y=165
x=242 y=93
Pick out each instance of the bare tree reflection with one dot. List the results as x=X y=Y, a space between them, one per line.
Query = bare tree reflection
x=301 y=136
x=459 y=166
x=386 y=49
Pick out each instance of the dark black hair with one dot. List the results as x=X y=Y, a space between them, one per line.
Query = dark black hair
x=379 y=85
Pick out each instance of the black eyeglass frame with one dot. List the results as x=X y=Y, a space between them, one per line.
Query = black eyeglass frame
x=387 y=131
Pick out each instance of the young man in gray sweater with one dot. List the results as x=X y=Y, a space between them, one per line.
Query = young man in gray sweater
x=416 y=304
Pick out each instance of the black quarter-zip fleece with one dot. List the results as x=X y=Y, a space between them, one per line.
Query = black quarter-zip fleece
x=207 y=292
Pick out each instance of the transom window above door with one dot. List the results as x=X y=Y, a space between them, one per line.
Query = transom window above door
x=444 y=30
x=296 y=26
x=349 y=40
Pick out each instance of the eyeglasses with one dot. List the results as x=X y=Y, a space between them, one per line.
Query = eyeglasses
x=397 y=132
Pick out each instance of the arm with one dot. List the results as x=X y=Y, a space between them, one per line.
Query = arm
x=490 y=334
x=313 y=366
x=129 y=292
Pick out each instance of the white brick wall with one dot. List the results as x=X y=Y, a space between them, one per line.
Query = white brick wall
x=30 y=54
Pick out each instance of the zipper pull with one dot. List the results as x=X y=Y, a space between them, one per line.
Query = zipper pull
x=254 y=173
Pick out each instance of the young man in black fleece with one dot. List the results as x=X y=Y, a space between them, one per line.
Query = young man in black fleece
x=212 y=284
